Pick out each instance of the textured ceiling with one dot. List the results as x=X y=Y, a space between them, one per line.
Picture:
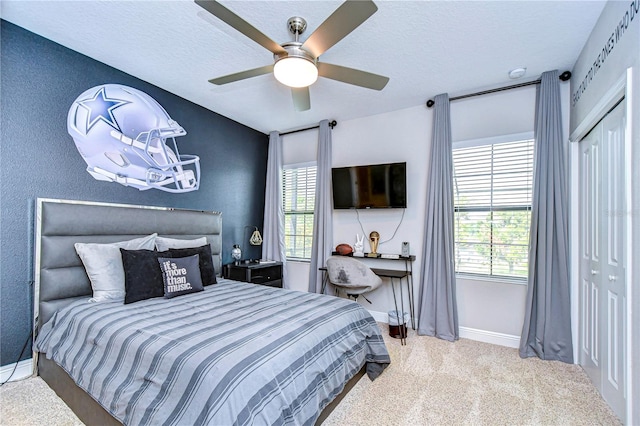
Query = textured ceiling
x=425 y=47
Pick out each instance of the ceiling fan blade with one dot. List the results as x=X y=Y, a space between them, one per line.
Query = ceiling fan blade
x=242 y=75
x=301 y=98
x=352 y=76
x=345 y=19
x=233 y=20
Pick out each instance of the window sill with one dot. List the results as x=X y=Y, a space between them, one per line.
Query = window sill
x=498 y=280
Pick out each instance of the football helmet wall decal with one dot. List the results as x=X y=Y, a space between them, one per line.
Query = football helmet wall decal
x=122 y=133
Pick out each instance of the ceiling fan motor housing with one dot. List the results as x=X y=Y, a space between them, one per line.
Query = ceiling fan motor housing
x=294 y=49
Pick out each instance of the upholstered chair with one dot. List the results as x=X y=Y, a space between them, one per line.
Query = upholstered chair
x=351 y=276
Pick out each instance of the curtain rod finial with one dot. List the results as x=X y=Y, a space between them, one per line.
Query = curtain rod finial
x=565 y=76
x=333 y=123
x=430 y=103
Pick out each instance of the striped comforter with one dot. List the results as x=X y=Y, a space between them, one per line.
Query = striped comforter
x=236 y=353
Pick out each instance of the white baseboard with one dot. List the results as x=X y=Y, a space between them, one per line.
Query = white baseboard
x=501 y=339
x=380 y=316
x=485 y=336
x=24 y=369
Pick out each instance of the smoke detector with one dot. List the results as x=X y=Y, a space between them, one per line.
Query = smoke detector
x=517 y=73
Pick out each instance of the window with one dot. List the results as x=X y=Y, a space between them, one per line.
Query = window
x=298 y=195
x=492 y=207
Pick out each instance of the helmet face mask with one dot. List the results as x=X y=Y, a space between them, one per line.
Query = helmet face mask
x=122 y=135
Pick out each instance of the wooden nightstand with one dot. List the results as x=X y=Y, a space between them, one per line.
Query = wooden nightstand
x=269 y=273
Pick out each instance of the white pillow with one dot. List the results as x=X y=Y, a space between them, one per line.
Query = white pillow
x=103 y=263
x=164 y=244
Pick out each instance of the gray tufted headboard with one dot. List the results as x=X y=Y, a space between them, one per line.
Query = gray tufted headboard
x=60 y=277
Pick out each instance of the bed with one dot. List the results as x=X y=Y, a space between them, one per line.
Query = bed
x=234 y=353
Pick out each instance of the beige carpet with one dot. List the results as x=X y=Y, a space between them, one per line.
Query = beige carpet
x=31 y=402
x=435 y=382
x=429 y=382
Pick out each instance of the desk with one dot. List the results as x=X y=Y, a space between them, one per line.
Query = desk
x=394 y=275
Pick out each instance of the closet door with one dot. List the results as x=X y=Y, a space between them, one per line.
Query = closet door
x=590 y=270
x=613 y=271
x=602 y=271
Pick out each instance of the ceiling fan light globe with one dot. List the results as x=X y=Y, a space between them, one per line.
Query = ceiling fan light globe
x=295 y=71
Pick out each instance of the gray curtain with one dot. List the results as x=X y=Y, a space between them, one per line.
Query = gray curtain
x=273 y=229
x=438 y=313
x=546 y=332
x=322 y=220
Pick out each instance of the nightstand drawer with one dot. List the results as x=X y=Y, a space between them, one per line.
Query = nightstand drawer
x=264 y=274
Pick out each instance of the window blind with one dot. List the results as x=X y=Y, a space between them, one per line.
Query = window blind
x=299 y=191
x=492 y=204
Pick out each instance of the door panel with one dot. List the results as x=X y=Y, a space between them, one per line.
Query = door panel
x=585 y=344
x=594 y=328
x=613 y=325
x=602 y=273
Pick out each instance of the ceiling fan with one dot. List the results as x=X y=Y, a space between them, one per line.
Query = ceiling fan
x=295 y=63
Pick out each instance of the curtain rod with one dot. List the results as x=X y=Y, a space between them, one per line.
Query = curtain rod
x=564 y=77
x=332 y=124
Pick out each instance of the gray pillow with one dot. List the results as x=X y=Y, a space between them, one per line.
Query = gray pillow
x=181 y=275
x=164 y=243
x=103 y=263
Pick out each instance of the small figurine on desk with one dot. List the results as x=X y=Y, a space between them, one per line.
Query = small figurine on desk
x=359 y=246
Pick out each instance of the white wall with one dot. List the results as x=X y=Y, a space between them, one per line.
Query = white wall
x=393 y=137
x=489 y=307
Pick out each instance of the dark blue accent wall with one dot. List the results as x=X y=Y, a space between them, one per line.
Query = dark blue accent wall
x=39 y=81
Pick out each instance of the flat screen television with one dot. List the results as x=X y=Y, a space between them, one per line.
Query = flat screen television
x=370 y=187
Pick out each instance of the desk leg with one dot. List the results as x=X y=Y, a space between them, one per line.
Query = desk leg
x=409 y=267
x=395 y=303
x=411 y=300
x=403 y=329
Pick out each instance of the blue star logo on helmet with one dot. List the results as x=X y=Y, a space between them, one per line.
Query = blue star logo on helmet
x=100 y=108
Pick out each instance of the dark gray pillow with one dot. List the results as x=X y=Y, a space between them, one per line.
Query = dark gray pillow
x=181 y=275
x=207 y=271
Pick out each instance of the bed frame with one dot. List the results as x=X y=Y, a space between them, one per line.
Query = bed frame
x=60 y=277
